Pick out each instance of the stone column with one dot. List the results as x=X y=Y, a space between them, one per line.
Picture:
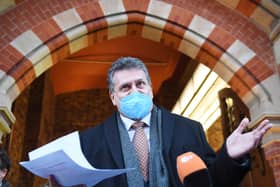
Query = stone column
x=6 y=116
x=271 y=146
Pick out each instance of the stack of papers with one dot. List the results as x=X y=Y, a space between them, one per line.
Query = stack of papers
x=64 y=159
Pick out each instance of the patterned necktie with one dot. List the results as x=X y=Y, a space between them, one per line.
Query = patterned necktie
x=140 y=143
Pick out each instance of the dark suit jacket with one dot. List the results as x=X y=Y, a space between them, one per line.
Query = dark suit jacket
x=101 y=146
x=5 y=183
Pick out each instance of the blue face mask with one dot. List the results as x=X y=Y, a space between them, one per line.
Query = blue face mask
x=136 y=105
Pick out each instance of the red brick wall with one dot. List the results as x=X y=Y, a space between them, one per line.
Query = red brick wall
x=230 y=26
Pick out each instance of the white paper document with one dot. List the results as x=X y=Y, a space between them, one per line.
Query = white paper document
x=64 y=159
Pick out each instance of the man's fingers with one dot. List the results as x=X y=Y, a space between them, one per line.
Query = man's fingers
x=242 y=126
x=260 y=131
x=265 y=124
x=262 y=128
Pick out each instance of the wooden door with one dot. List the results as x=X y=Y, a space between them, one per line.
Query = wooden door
x=233 y=110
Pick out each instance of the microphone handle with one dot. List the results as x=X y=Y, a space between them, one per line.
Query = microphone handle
x=200 y=178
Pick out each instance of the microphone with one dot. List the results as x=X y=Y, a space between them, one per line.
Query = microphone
x=192 y=171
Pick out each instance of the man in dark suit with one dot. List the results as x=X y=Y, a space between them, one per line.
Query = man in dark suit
x=110 y=144
x=4 y=167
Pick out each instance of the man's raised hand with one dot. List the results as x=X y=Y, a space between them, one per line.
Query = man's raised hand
x=239 y=143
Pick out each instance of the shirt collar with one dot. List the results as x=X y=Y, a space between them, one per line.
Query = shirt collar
x=128 y=122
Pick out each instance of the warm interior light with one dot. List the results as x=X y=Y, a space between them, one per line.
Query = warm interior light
x=191 y=88
x=199 y=100
x=207 y=84
x=212 y=118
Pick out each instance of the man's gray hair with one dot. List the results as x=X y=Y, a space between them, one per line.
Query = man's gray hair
x=126 y=63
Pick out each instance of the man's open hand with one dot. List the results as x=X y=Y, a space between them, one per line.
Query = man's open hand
x=238 y=143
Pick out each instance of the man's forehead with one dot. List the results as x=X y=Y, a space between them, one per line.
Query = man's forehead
x=129 y=75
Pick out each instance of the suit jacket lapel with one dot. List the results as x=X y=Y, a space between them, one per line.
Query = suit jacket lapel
x=113 y=139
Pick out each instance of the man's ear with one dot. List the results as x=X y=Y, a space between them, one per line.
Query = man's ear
x=112 y=97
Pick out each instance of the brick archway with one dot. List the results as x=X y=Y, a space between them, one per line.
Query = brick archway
x=218 y=37
x=62 y=33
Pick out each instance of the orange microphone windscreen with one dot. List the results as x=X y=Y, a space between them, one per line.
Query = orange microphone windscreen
x=188 y=163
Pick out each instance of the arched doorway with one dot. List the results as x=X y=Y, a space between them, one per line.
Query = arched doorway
x=205 y=36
